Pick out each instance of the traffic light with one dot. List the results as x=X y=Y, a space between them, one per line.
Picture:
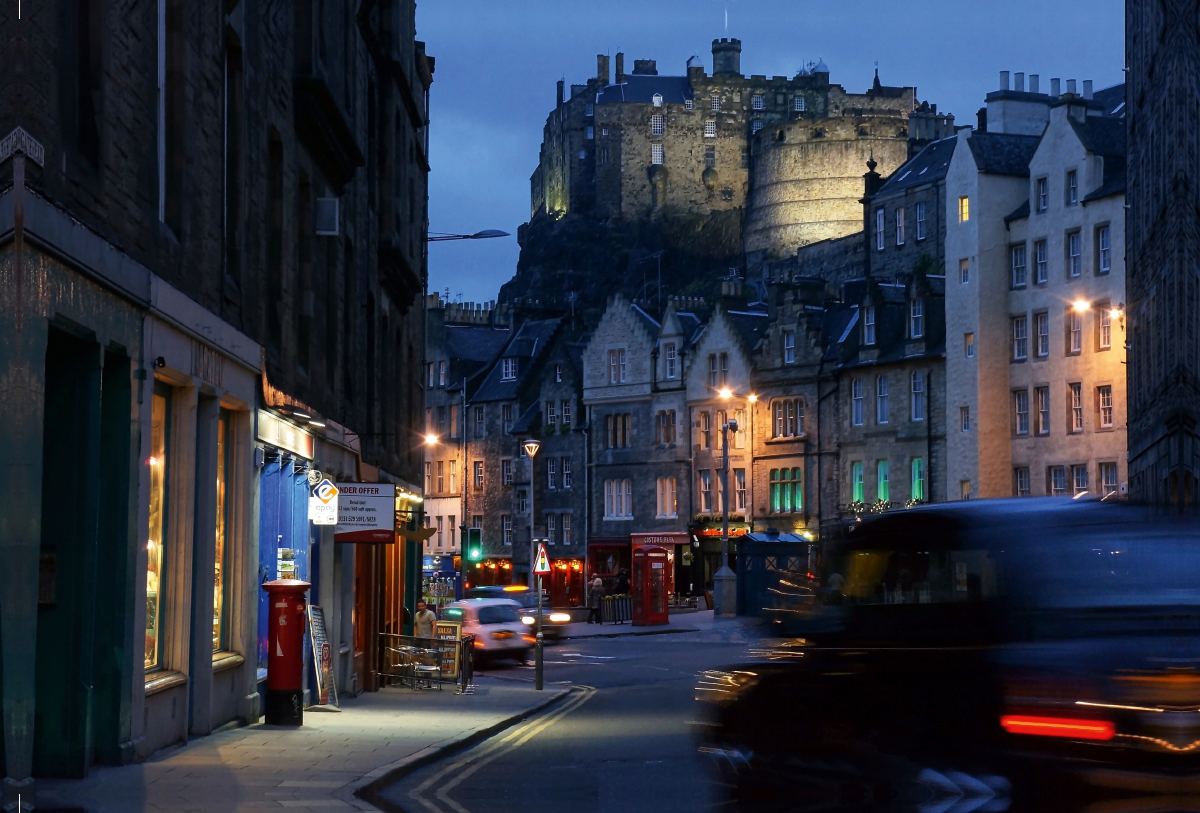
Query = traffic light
x=474 y=544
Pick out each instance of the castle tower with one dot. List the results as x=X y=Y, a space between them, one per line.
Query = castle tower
x=727 y=57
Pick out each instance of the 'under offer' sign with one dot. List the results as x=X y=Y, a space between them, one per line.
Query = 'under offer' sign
x=366 y=513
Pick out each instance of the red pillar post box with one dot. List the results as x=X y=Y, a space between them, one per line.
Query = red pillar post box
x=285 y=660
x=650 y=585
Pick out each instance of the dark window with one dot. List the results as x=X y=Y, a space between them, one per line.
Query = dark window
x=274 y=301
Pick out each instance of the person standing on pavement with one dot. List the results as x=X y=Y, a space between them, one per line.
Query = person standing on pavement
x=423 y=624
x=621 y=587
x=597 y=593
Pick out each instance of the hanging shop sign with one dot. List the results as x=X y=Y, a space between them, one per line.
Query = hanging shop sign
x=323 y=504
x=366 y=513
x=274 y=430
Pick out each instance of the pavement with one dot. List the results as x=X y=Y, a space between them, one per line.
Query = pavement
x=320 y=766
x=701 y=621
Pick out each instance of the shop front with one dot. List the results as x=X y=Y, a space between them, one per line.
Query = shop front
x=607 y=556
x=440 y=582
x=566 y=582
x=489 y=571
x=707 y=558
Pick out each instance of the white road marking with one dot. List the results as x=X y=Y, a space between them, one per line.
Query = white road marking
x=479 y=757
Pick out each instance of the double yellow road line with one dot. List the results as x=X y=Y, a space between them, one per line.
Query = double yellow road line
x=445 y=780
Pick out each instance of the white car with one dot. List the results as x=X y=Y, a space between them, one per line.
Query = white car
x=497 y=627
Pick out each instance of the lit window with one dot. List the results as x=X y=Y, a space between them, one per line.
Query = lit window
x=656 y=124
x=1020 y=334
x=881 y=399
x=856 y=481
x=964 y=209
x=756 y=102
x=916 y=483
x=920 y=221
x=900 y=227
x=964 y=489
x=883 y=491
x=964 y=271
x=710 y=129
x=856 y=402
x=667 y=504
x=969 y=345
x=869 y=324
x=1104 y=244
x=916 y=318
x=1018 y=266
x=798 y=104
x=160 y=457
x=788 y=418
x=786 y=494
x=1021 y=411
x=508 y=369
x=656 y=153
x=657 y=99
x=1106 y=406
x=739 y=489
x=789 y=347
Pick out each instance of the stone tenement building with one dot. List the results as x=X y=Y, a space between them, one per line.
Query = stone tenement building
x=212 y=231
x=1162 y=46
x=707 y=167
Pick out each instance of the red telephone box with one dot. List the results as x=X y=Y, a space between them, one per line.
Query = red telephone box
x=285 y=660
x=650 y=585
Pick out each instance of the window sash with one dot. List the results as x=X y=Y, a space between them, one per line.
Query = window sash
x=1018 y=266
x=899 y=227
x=1076 y=407
x=1041 y=261
x=1106 y=406
x=1021 y=407
x=1042 y=324
x=916 y=315
x=869 y=325
x=1105 y=241
x=879 y=228
x=920 y=221
x=917 y=479
x=881 y=399
x=918 y=396
x=856 y=480
x=1043 y=404
x=1020 y=338
x=883 y=491
x=1076 y=332
x=657 y=125
x=1073 y=253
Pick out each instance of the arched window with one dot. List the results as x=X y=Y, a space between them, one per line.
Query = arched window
x=787 y=418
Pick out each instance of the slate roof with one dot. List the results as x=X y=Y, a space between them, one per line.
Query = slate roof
x=475 y=343
x=531 y=339
x=1003 y=153
x=649 y=320
x=640 y=89
x=835 y=329
x=1111 y=99
x=1019 y=213
x=929 y=165
x=1102 y=136
x=529 y=420
x=750 y=326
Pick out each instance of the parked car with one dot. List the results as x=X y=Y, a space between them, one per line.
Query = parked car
x=553 y=623
x=496 y=625
x=1009 y=654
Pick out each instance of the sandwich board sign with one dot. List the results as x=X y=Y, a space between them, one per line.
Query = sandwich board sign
x=542 y=563
x=323 y=504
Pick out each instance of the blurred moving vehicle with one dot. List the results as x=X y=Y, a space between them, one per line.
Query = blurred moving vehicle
x=993 y=655
x=553 y=623
x=496 y=625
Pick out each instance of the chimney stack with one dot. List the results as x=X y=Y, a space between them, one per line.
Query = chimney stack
x=1054 y=86
x=1071 y=86
x=1019 y=82
x=620 y=67
x=1033 y=83
x=602 y=68
x=558 y=100
x=1087 y=88
x=1004 y=80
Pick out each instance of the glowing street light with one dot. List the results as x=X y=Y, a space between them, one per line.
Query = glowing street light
x=1082 y=306
x=431 y=440
x=752 y=398
x=725 y=393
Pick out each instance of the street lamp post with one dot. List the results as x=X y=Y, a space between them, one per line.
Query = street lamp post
x=725 y=579
x=531 y=449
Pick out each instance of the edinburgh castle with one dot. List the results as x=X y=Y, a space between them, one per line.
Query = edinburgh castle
x=649 y=183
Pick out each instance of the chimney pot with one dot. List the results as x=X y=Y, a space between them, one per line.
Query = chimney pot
x=1019 y=82
x=1070 y=86
x=1004 y=80
x=620 y=67
x=1087 y=88
x=1054 y=87
x=1034 y=84
x=602 y=68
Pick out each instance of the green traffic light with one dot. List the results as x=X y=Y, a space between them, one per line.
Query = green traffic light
x=474 y=554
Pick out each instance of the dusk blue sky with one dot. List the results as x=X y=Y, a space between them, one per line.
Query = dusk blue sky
x=498 y=61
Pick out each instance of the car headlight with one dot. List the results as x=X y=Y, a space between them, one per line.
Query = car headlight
x=560 y=618
x=528 y=619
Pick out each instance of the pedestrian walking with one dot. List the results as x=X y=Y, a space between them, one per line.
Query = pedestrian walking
x=597 y=593
x=423 y=625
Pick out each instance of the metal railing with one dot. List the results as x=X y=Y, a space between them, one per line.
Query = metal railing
x=616 y=609
x=423 y=662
